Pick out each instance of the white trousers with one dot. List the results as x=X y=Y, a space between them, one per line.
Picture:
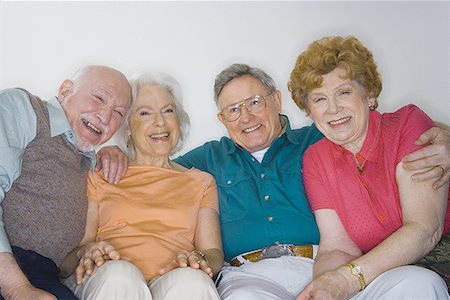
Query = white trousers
x=121 y=280
x=285 y=277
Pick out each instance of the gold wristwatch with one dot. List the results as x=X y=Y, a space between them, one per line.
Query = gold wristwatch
x=357 y=272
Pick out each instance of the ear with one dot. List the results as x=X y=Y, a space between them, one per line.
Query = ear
x=277 y=96
x=371 y=101
x=65 y=89
x=220 y=117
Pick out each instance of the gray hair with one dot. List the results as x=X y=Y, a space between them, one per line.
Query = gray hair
x=237 y=70
x=173 y=87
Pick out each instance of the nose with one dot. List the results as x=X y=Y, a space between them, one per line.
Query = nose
x=333 y=106
x=246 y=115
x=105 y=115
x=158 y=120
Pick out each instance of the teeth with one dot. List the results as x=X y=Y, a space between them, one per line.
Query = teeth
x=340 y=121
x=91 y=126
x=251 y=128
x=159 y=135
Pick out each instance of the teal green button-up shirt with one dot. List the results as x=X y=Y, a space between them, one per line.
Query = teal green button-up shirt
x=260 y=203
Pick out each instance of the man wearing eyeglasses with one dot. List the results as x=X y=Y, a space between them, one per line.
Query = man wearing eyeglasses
x=269 y=233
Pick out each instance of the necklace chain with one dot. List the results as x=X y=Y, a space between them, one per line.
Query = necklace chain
x=361 y=166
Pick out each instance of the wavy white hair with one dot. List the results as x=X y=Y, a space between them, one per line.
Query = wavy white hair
x=173 y=87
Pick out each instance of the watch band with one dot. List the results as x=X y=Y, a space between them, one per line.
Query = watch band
x=357 y=272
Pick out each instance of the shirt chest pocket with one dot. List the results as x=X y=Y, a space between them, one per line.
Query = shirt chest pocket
x=237 y=193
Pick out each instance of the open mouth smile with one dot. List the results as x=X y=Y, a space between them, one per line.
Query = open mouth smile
x=91 y=126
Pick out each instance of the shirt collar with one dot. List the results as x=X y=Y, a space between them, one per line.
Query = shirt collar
x=59 y=123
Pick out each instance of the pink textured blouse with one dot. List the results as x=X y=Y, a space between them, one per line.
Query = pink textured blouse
x=368 y=204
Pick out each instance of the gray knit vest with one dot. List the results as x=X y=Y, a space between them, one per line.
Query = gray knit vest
x=45 y=209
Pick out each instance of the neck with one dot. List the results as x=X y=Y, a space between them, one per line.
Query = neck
x=159 y=161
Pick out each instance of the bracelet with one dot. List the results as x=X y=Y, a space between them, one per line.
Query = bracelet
x=358 y=273
x=203 y=255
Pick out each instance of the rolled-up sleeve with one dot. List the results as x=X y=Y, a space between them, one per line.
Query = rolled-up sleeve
x=17 y=130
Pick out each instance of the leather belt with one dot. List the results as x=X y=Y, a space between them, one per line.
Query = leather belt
x=273 y=252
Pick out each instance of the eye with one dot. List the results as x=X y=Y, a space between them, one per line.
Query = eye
x=319 y=99
x=233 y=109
x=119 y=113
x=168 y=110
x=344 y=92
x=255 y=102
x=99 y=98
x=144 y=113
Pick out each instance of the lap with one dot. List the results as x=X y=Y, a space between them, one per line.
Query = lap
x=405 y=282
x=183 y=283
x=275 y=278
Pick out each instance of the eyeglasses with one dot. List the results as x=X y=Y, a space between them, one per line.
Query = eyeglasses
x=253 y=104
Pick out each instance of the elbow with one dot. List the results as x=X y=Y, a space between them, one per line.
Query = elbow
x=431 y=236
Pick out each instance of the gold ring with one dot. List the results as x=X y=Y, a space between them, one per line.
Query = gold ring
x=442 y=168
x=198 y=261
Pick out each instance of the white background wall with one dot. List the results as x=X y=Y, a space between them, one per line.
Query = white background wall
x=43 y=43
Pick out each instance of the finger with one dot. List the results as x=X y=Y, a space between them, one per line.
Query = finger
x=121 y=168
x=427 y=136
x=182 y=259
x=79 y=273
x=111 y=252
x=424 y=163
x=421 y=158
x=436 y=172
x=113 y=167
x=442 y=181
x=105 y=165
x=98 y=163
x=205 y=267
x=88 y=265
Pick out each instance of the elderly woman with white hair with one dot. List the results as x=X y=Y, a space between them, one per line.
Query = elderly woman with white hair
x=154 y=235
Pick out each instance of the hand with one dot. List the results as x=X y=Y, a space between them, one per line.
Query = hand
x=29 y=292
x=432 y=156
x=331 y=285
x=113 y=163
x=187 y=258
x=95 y=253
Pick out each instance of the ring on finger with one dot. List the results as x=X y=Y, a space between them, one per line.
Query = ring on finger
x=442 y=169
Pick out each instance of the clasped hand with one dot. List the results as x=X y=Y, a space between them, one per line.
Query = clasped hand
x=185 y=259
x=94 y=254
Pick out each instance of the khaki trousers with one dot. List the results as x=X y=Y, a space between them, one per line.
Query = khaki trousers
x=119 y=279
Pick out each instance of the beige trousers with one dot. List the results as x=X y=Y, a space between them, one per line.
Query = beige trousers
x=119 y=279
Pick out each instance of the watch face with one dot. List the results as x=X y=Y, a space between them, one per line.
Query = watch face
x=357 y=270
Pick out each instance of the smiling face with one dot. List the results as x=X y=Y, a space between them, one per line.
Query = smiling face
x=252 y=131
x=154 y=124
x=95 y=105
x=340 y=110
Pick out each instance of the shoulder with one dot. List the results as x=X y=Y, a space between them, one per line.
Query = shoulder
x=14 y=99
x=202 y=176
x=409 y=114
x=16 y=111
x=307 y=135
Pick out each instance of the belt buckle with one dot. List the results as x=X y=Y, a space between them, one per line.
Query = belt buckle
x=275 y=251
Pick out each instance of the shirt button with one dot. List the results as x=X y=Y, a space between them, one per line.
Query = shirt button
x=266 y=197
x=229 y=182
x=262 y=175
x=270 y=218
